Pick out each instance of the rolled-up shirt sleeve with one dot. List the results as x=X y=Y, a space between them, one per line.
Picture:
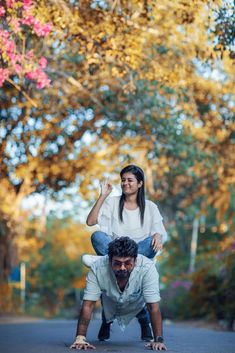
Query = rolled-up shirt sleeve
x=92 y=290
x=157 y=225
x=150 y=286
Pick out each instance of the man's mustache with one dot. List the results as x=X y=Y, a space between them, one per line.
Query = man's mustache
x=122 y=274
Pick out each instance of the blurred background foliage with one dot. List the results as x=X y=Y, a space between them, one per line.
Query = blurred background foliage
x=131 y=82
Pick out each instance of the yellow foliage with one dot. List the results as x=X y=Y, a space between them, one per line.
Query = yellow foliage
x=80 y=282
x=74 y=240
x=158 y=42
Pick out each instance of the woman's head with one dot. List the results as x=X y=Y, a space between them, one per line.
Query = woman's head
x=132 y=182
x=136 y=171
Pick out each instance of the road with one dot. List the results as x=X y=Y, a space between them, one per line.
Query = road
x=55 y=336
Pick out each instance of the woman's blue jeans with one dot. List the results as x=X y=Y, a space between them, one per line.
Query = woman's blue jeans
x=101 y=240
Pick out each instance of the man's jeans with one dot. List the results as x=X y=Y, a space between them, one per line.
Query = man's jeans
x=101 y=240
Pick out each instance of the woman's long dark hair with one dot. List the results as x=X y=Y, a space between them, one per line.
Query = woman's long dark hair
x=139 y=174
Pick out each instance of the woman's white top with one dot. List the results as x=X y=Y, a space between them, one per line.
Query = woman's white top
x=109 y=222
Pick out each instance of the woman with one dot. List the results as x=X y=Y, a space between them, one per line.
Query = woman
x=127 y=215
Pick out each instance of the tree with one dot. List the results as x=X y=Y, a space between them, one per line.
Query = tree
x=53 y=260
x=17 y=20
x=130 y=78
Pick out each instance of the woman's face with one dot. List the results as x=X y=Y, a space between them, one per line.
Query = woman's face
x=129 y=184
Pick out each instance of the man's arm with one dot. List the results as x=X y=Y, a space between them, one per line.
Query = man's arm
x=155 y=318
x=82 y=326
x=156 y=323
x=85 y=317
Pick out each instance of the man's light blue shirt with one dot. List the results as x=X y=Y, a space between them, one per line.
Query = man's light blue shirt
x=142 y=287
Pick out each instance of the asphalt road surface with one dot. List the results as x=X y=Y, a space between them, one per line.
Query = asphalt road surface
x=55 y=336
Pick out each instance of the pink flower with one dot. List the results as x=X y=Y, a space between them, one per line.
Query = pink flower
x=27 y=4
x=31 y=75
x=39 y=76
x=13 y=58
x=18 y=68
x=15 y=25
x=29 y=54
x=4 y=74
x=42 y=80
x=42 y=30
x=43 y=62
x=9 y=45
x=176 y=284
x=4 y=34
x=2 y=11
x=28 y=20
x=184 y=284
x=10 y=3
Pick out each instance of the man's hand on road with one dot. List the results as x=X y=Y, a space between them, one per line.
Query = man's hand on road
x=81 y=343
x=84 y=346
x=156 y=346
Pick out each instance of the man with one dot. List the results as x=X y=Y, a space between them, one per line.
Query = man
x=126 y=283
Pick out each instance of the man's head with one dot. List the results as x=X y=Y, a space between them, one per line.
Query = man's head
x=122 y=255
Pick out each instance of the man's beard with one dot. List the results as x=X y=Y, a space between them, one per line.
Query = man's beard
x=122 y=274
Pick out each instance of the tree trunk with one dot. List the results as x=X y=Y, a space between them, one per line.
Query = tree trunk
x=194 y=241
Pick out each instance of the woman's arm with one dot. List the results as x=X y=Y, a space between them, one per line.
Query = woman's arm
x=158 y=230
x=157 y=242
x=92 y=217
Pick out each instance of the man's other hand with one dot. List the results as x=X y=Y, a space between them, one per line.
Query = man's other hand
x=156 y=346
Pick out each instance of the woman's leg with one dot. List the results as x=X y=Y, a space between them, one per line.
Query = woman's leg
x=145 y=247
x=100 y=242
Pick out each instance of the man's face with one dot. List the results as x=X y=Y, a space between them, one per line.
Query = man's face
x=122 y=266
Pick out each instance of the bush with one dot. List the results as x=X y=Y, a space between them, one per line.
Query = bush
x=212 y=291
x=175 y=300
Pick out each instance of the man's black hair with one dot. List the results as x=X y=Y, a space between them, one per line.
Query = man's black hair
x=123 y=247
